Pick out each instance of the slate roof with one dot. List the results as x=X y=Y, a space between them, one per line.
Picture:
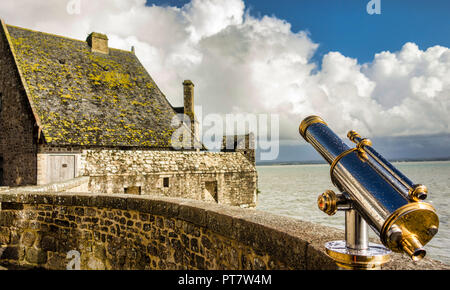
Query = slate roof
x=86 y=98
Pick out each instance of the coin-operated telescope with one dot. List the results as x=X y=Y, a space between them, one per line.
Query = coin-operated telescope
x=374 y=193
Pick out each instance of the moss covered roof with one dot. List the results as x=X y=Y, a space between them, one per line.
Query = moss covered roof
x=87 y=98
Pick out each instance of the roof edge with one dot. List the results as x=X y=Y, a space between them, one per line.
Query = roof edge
x=65 y=37
x=22 y=79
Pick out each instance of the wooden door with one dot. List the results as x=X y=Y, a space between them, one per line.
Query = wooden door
x=60 y=168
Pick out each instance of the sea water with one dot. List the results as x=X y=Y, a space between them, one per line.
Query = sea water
x=292 y=190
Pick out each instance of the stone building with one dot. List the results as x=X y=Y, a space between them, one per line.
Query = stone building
x=71 y=108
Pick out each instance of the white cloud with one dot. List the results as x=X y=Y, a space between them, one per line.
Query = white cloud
x=244 y=64
x=208 y=17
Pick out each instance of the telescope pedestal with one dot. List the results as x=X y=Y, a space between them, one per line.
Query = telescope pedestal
x=356 y=253
x=349 y=259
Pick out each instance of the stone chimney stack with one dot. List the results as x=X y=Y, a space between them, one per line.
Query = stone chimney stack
x=188 y=89
x=98 y=42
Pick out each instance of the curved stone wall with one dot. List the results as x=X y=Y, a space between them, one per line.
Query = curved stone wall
x=54 y=230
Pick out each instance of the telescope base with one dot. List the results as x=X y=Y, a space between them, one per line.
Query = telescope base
x=371 y=258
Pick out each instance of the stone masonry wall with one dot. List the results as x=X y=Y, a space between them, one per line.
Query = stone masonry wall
x=44 y=230
x=17 y=131
x=226 y=178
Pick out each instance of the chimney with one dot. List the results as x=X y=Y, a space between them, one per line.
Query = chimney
x=98 y=42
x=188 y=89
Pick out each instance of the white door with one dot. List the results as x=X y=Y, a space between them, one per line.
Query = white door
x=60 y=168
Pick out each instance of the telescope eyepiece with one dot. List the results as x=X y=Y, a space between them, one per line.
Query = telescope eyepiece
x=418 y=254
x=418 y=192
x=411 y=246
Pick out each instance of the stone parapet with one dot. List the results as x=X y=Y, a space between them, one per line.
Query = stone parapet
x=141 y=232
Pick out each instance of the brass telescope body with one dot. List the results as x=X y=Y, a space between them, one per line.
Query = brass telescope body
x=373 y=189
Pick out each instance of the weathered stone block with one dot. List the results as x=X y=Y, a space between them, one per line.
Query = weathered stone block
x=95 y=264
x=219 y=223
x=112 y=202
x=48 y=243
x=193 y=214
x=83 y=200
x=7 y=218
x=199 y=262
x=5 y=235
x=36 y=256
x=206 y=242
x=321 y=261
x=62 y=223
x=164 y=208
x=15 y=237
x=259 y=264
x=10 y=253
x=11 y=206
x=89 y=211
x=57 y=262
x=79 y=211
x=194 y=245
x=160 y=222
x=28 y=238
x=63 y=199
x=99 y=251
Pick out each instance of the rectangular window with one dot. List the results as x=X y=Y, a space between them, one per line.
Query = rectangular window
x=166 y=182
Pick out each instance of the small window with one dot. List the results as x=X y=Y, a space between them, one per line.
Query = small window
x=166 y=182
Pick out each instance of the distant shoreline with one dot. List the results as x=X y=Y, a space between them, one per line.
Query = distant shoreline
x=318 y=162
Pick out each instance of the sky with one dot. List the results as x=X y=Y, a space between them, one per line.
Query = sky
x=345 y=26
x=385 y=75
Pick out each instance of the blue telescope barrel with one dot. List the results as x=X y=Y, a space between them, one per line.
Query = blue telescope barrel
x=388 y=201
